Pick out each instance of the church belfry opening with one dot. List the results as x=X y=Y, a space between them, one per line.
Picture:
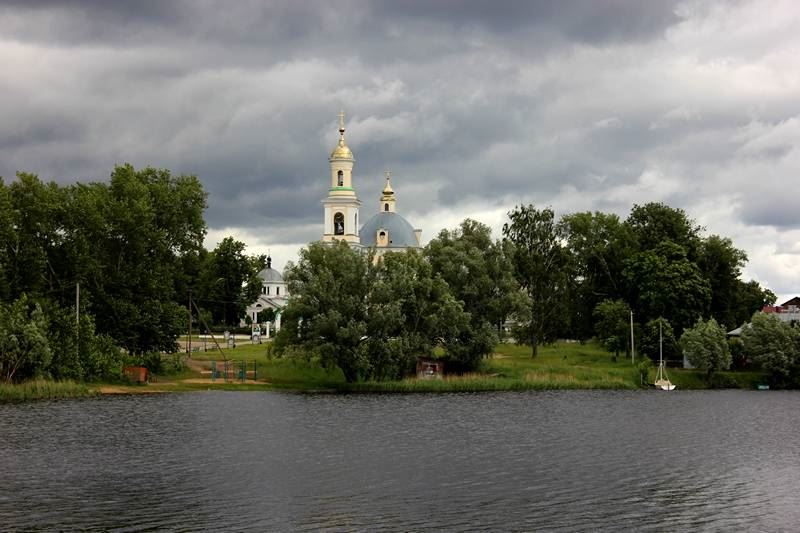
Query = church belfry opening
x=340 y=181
x=338 y=224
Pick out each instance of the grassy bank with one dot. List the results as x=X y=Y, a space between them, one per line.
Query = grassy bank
x=43 y=390
x=560 y=366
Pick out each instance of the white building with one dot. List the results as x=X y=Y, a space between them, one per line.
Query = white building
x=385 y=231
x=274 y=295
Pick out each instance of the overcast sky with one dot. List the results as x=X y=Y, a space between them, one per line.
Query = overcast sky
x=474 y=106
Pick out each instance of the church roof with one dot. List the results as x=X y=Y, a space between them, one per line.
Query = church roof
x=270 y=275
x=401 y=233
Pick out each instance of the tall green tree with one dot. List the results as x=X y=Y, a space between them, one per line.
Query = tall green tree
x=136 y=229
x=598 y=245
x=540 y=265
x=721 y=264
x=612 y=325
x=229 y=281
x=328 y=313
x=478 y=271
x=655 y=223
x=667 y=284
x=706 y=347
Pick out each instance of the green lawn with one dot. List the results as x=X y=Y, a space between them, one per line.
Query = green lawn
x=560 y=366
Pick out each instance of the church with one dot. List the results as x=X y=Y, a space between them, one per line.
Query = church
x=385 y=231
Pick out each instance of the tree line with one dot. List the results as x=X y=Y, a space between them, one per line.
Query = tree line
x=134 y=245
x=577 y=277
x=127 y=252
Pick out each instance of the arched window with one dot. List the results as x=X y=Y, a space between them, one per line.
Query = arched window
x=338 y=224
x=356 y=222
x=267 y=289
x=341 y=179
x=386 y=207
x=277 y=291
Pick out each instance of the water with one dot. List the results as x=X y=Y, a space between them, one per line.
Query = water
x=571 y=460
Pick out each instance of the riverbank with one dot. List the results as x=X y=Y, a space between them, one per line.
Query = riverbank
x=41 y=389
x=565 y=365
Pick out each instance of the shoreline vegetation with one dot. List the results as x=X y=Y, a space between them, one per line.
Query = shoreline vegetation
x=564 y=365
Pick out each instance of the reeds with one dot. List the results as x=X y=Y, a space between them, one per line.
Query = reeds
x=42 y=389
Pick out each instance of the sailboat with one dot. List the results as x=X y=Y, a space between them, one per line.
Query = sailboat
x=662 y=381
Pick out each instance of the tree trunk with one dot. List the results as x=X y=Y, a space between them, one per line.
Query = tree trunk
x=534 y=345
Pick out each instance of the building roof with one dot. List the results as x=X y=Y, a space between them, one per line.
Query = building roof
x=793 y=301
x=269 y=274
x=401 y=233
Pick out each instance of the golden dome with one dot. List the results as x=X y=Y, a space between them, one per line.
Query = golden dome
x=342 y=151
x=388 y=192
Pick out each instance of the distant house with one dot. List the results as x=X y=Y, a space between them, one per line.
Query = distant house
x=788 y=311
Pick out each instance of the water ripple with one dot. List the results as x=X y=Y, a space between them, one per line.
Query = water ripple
x=559 y=461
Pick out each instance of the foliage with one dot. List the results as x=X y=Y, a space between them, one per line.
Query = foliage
x=79 y=353
x=126 y=242
x=664 y=340
x=228 y=281
x=775 y=345
x=597 y=243
x=24 y=350
x=540 y=266
x=328 y=312
x=612 y=325
x=667 y=284
x=373 y=321
x=478 y=271
x=706 y=347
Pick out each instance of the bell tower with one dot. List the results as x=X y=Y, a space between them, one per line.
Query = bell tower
x=341 y=205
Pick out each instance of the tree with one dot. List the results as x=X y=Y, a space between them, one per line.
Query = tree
x=749 y=298
x=655 y=223
x=775 y=345
x=229 y=281
x=328 y=311
x=657 y=339
x=478 y=271
x=598 y=245
x=24 y=350
x=129 y=237
x=667 y=284
x=413 y=310
x=611 y=324
x=540 y=267
x=721 y=263
x=706 y=347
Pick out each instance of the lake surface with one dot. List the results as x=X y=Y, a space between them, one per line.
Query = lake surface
x=565 y=460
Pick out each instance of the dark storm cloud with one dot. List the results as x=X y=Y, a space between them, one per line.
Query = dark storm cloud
x=472 y=104
x=589 y=21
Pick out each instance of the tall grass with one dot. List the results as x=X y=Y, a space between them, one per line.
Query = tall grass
x=41 y=389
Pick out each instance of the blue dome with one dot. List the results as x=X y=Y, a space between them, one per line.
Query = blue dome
x=401 y=233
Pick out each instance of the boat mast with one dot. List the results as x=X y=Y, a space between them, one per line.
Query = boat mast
x=632 y=349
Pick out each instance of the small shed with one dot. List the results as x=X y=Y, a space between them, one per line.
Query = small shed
x=137 y=374
x=430 y=369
